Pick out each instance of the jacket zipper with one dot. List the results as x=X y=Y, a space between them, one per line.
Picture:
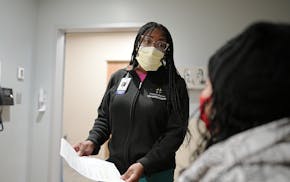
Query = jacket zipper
x=132 y=110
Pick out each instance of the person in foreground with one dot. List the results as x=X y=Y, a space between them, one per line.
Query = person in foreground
x=246 y=107
x=145 y=110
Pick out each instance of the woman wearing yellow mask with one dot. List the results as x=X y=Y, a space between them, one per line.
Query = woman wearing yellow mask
x=145 y=110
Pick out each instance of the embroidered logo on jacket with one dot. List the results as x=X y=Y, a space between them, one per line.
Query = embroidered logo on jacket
x=157 y=94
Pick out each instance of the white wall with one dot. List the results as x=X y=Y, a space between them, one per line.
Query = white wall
x=198 y=28
x=17 y=48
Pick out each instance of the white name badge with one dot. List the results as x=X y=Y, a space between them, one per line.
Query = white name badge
x=122 y=88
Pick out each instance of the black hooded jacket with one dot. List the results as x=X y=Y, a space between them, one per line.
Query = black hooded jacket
x=139 y=124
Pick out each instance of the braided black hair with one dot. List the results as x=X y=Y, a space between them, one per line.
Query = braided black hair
x=250 y=79
x=168 y=63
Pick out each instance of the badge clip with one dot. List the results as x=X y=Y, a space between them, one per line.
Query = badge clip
x=123 y=86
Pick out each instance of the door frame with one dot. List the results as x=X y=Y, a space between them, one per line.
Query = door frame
x=55 y=162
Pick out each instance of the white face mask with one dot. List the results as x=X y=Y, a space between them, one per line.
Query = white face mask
x=149 y=58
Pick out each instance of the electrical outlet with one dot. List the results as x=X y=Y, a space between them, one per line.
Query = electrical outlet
x=18 y=98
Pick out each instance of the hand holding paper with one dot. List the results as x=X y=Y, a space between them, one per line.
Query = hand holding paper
x=92 y=168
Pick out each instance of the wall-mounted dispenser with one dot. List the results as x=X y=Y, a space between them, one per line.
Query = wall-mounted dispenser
x=6 y=99
x=6 y=96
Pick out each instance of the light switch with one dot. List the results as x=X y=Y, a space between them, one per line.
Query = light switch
x=20 y=73
x=41 y=100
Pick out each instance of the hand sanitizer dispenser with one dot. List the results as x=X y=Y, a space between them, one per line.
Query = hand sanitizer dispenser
x=6 y=99
x=6 y=96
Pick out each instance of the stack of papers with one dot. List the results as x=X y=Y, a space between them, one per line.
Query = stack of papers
x=92 y=168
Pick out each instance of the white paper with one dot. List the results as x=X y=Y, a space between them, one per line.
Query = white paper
x=92 y=168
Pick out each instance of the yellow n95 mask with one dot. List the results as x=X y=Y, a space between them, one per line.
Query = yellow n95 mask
x=149 y=58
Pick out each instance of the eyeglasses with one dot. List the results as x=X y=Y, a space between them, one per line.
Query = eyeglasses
x=147 y=41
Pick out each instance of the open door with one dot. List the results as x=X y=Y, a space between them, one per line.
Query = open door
x=86 y=73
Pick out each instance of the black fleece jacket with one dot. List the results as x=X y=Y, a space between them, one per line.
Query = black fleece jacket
x=141 y=125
